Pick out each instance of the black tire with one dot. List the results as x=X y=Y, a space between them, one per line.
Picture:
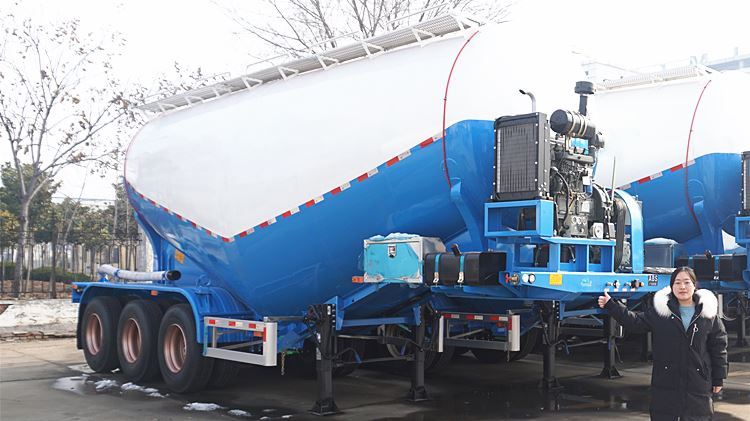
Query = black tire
x=435 y=361
x=307 y=366
x=357 y=346
x=489 y=356
x=181 y=362
x=460 y=351
x=99 y=334
x=224 y=374
x=137 y=338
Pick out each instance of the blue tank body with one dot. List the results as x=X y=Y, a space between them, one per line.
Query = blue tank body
x=692 y=204
x=310 y=256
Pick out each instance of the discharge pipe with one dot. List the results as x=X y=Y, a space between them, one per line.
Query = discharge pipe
x=129 y=275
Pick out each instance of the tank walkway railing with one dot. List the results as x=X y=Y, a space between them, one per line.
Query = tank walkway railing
x=684 y=72
x=363 y=47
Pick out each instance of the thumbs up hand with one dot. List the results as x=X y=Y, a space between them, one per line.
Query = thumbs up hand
x=603 y=299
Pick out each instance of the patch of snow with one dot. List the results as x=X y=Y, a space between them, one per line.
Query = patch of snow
x=150 y=391
x=39 y=312
x=269 y=410
x=130 y=386
x=286 y=417
x=204 y=407
x=106 y=384
x=239 y=413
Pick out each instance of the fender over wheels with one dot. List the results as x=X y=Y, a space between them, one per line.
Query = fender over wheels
x=181 y=360
x=99 y=333
x=137 y=337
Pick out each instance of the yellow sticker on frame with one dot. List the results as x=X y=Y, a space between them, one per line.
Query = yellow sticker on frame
x=179 y=256
x=555 y=278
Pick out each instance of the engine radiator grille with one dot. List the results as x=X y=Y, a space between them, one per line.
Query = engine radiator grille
x=522 y=157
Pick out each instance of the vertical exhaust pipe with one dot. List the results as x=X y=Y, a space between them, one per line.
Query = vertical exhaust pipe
x=533 y=99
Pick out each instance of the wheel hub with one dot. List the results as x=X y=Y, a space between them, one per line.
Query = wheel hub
x=175 y=348
x=130 y=340
x=94 y=334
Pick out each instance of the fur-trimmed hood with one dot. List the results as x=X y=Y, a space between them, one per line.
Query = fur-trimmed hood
x=706 y=299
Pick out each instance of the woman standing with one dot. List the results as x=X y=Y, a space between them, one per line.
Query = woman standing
x=689 y=347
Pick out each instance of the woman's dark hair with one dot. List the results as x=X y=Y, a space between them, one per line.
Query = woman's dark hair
x=685 y=269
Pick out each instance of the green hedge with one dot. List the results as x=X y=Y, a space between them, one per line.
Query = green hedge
x=10 y=268
x=43 y=274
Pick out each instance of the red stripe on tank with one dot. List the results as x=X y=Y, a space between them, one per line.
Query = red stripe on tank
x=676 y=167
x=427 y=142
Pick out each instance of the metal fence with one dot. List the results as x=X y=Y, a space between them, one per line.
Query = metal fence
x=72 y=262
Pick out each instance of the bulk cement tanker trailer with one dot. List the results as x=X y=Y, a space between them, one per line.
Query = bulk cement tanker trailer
x=258 y=193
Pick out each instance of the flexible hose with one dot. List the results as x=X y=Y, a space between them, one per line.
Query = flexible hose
x=167 y=275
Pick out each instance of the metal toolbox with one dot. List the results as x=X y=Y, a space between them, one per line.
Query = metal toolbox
x=398 y=259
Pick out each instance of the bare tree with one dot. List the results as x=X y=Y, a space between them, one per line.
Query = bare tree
x=59 y=105
x=299 y=27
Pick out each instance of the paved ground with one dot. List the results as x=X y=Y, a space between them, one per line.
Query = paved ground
x=47 y=380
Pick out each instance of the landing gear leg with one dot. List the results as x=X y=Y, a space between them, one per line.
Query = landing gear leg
x=418 y=392
x=742 y=303
x=551 y=328
x=324 y=317
x=610 y=371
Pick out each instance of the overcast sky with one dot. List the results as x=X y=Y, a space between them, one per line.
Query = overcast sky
x=631 y=34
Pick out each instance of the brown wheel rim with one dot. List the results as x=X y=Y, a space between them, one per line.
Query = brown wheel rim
x=175 y=348
x=130 y=340
x=94 y=334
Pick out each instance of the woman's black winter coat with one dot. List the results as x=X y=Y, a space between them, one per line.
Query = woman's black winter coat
x=686 y=363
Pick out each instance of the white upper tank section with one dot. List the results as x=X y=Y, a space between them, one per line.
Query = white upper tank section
x=647 y=127
x=236 y=161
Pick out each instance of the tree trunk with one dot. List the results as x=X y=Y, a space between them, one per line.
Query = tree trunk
x=93 y=257
x=2 y=269
x=31 y=266
x=23 y=227
x=51 y=283
x=64 y=258
x=127 y=254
